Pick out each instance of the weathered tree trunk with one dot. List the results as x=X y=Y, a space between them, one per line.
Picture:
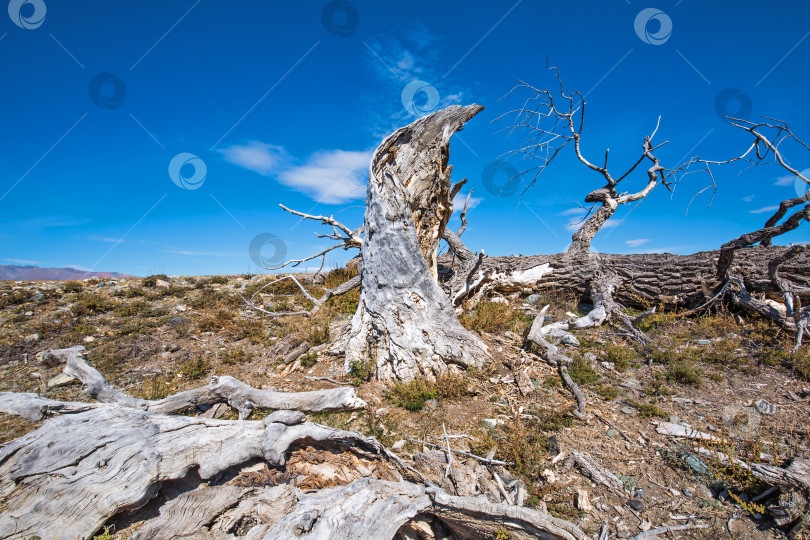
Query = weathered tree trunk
x=405 y=324
x=581 y=240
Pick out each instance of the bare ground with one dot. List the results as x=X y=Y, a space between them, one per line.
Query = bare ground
x=707 y=373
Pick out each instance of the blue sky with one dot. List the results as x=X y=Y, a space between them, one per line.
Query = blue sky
x=282 y=102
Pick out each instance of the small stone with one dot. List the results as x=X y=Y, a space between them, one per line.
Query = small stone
x=384 y=410
x=763 y=407
x=60 y=380
x=629 y=411
x=704 y=342
x=163 y=283
x=674 y=419
x=492 y=423
x=399 y=445
x=431 y=404
x=611 y=433
x=553 y=445
x=38 y=297
x=639 y=493
x=704 y=491
x=589 y=356
x=32 y=338
x=548 y=319
x=696 y=464
x=636 y=505
x=89 y=339
x=180 y=308
x=686 y=492
x=28 y=313
x=178 y=321
x=499 y=300
x=569 y=339
x=533 y=299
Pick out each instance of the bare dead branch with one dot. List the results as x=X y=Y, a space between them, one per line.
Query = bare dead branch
x=565 y=114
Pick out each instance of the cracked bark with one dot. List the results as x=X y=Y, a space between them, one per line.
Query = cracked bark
x=405 y=324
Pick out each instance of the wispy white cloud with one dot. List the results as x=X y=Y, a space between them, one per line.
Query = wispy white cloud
x=78 y=267
x=576 y=211
x=637 y=242
x=748 y=198
x=21 y=261
x=458 y=202
x=765 y=209
x=107 y=239
x=412 y=55
x=573 y=225
x=612 y=223
x=785 y=180
x=257 y=156
x=330 y=177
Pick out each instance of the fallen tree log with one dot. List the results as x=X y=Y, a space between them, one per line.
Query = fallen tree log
x=644 y=280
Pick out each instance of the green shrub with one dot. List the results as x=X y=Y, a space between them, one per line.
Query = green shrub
x=151 y=281
x=412 y=395
x=196 y=368
x=685 y=372
x=308 y=360
x=360 y=371
x=491 y=317
x=647 y=410
x=622 y=357
x=582 y=372
x=74 y=286
x=319 y=334
x=607 y=392
x=234 y=356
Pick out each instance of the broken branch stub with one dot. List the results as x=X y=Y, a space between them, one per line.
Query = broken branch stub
x=404 y=323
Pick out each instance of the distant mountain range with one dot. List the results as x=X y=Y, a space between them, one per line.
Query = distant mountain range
x=14 y=272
